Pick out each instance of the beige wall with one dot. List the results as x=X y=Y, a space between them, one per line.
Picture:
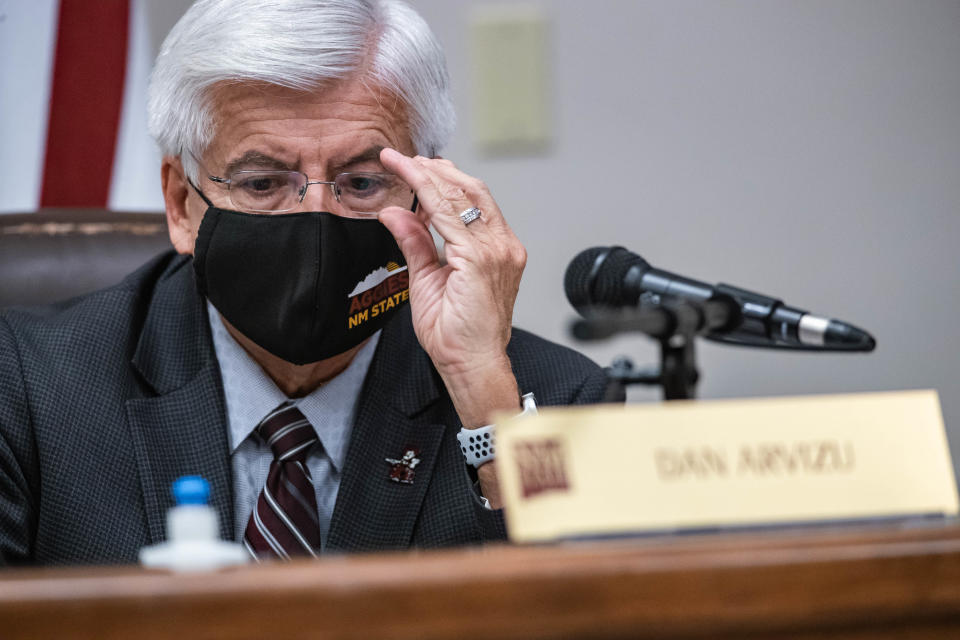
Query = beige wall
x=808 y=149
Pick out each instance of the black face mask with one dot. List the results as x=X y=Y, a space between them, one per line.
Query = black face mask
x=304 y=286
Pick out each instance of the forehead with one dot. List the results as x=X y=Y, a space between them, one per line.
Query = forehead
x=307 y=128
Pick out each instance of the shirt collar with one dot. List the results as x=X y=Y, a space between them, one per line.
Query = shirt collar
x=250 y=394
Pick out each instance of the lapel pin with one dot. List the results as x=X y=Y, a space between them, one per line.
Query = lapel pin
x=401 y=470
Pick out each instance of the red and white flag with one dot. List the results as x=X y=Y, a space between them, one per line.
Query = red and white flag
x=73 y=122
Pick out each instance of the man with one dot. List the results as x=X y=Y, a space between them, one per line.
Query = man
x=306 y=349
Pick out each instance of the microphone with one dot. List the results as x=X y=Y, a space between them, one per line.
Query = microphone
x=614 y=277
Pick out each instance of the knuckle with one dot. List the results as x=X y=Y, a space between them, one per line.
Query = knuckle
x=444 y=206
x=451 y=191
x=478 y=185
x=518 y=255
x=418 y=181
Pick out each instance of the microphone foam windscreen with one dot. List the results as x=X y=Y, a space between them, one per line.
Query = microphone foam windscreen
x=609 y=288
x=577 y=279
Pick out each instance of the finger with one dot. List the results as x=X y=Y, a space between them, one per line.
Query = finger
x=414 y=239
x=414 y=174
x=434 y=160
x=502 y=245
x=477 y=195
x=475 y=190
x=453 y=193
x=442 y=213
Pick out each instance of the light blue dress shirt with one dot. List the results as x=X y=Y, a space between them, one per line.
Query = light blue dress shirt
x=250 y=395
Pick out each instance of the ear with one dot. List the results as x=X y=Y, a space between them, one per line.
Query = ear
x=183 y=212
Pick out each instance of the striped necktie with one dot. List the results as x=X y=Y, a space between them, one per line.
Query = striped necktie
x=284 y=522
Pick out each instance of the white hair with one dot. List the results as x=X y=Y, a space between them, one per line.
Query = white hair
x=298 y=44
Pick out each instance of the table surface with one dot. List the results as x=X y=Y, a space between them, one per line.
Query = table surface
x=843 y=582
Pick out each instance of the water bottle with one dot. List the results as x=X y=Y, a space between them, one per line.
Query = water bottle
x=192 y=530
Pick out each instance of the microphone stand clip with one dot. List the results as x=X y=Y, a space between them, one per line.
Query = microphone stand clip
x=673 y=323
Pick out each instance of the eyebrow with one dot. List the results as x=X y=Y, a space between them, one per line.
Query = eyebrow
x=257 y=160
x=367 y=155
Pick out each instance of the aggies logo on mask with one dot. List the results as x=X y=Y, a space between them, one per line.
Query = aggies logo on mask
x=382 y=290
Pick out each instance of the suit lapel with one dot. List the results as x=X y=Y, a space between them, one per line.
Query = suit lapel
x=372 y=511
x=182 y=429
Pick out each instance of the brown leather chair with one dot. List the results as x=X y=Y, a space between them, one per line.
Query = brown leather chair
x=55 y=254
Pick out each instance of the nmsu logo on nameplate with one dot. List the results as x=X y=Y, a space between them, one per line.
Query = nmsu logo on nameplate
x=542 y=466
x=604 y=470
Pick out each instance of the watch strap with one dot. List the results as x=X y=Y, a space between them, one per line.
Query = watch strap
x=479 y=445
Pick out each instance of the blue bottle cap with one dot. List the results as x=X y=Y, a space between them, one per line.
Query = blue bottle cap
x=191 y=490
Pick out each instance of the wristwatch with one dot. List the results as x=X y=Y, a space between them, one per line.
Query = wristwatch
x=479 y=445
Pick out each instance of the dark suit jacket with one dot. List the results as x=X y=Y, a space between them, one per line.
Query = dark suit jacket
x=108 y=398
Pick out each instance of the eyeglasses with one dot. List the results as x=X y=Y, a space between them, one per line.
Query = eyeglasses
x=271 y=191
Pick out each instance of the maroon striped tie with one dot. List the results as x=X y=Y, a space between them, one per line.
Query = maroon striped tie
x=284 y=521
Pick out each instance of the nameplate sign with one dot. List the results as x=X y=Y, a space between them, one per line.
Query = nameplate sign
x=605 y=470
